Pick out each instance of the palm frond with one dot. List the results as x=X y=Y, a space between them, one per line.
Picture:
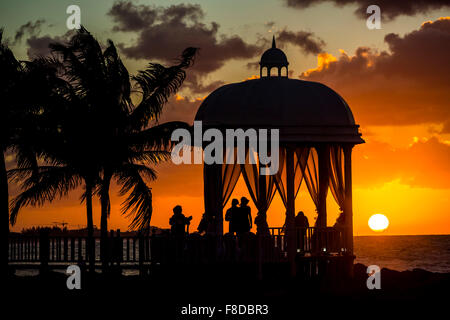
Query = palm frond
x=149 y=156
x=44 y=186
x=118 y=78
x=15 y=175
x=138 y=205
x=159 y=136
x=157 y=83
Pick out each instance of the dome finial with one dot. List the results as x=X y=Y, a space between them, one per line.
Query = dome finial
x=274 y=45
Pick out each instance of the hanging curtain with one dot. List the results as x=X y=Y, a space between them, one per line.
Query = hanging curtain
x=300 y=161
x=311 y=176
x=261 y=187
x=212 y=189
x=219 y=182
x=337 y=183
x=230 y=177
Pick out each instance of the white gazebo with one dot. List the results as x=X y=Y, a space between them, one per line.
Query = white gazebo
x=317 y=132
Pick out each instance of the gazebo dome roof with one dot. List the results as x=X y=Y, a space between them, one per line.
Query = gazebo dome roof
x=274 y=56
x=304 y=111
x=275 y=101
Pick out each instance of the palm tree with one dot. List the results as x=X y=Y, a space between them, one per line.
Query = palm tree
x=18 y=112
x=11 y=73
x=53 y=137
x=114 y=140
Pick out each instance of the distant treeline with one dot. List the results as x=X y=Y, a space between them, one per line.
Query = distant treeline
x=81 y=232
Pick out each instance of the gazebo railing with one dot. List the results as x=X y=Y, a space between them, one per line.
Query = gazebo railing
x=156 y=249
x=312 y=240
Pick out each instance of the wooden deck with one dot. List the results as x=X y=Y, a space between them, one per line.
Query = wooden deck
x=314 y=246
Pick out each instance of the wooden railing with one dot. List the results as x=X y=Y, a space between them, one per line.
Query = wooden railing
x=138 y=250
x=312 y=240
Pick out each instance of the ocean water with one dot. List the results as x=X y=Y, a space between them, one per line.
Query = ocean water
x=401 y=253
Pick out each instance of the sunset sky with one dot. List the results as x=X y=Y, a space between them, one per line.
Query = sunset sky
x=396 y=81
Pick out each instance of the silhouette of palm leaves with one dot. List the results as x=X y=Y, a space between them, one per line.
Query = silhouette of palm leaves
x=94 y=132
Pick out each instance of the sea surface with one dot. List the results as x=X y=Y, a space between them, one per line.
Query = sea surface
x=401 y=253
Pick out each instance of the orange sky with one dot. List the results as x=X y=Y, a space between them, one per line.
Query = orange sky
x=411 y=210
x=397 y=85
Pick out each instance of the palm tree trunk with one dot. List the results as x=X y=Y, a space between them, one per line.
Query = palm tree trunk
x=104 y=202
x=90 y=226
x=4 y=203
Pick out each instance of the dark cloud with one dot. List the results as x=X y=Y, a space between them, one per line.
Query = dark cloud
x=130 y=17
x=253 y=65
x=389 y=9
x=30 y=28
x=303 y=39
x=166 y=31
x=406 y=85
x=38 y=46
x=163 y=33
x=423 y=164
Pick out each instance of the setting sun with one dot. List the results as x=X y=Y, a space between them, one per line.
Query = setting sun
x=378 y=222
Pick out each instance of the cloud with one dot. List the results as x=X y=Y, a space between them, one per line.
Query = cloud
x=423 y=164
x=180 y=108
x=303 y=39
x=196 y=86
x=403 y=86
x=270 y=24
x=38 y=46
x=130 y=17
x=163 y=33
x=446 y=128
x=389 y=9
x=31 y=28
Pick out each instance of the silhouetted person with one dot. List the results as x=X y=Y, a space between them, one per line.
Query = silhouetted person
x=203 y=225
x=262 y=228
x=178 y=222
x=231 y=214
x=338 y=229
x=243 y=217
x=301 y=223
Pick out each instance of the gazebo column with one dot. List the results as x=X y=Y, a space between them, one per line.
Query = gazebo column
x=290 y=212
x=262 y=191
x=324 y=159
x=348 y=206
x=212 y=194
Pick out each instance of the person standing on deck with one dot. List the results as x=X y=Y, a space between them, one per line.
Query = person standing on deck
x=301 y=225
x=243 y=221
x=301 y=221
x=231 y=215
x=179 y=222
